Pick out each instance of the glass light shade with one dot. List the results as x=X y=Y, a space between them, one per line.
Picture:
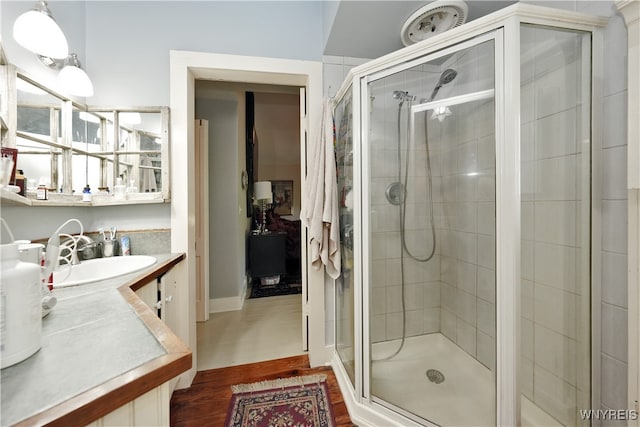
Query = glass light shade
x=263 y=191
x=36 y=31
x=75 y=81
x=440 y=113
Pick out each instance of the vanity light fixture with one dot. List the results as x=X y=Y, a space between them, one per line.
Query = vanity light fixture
x=74 y=79
x=37 y=31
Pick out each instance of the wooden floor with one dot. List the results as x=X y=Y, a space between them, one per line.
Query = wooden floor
x=205 y=403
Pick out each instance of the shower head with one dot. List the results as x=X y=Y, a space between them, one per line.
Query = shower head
x=446 y=77
x=402 y=95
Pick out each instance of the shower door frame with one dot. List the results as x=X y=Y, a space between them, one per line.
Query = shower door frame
x=496 y=36
x=504 y=27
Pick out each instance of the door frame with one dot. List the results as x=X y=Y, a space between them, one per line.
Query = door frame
x=185 y=68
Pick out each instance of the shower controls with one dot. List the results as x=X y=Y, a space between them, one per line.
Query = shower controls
x=395 y=193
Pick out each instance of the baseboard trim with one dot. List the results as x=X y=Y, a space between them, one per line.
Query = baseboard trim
x=219 y=305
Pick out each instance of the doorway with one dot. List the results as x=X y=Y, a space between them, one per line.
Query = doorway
x=185 y=69
x=241 y=329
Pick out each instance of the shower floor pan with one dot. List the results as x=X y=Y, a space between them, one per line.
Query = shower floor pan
x=466 y=397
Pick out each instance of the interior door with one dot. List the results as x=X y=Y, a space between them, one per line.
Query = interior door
x=202 y=219
x=304 y=127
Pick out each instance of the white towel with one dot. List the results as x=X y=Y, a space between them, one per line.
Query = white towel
x=320 y=213
x=148 y=176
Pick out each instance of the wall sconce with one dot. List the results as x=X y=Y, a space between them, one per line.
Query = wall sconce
x=37 y=31
x=264 y=196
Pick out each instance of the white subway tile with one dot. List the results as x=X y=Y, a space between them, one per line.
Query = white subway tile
x=556 y=135
x=466 y=337
x=614 y=173
x=614 y=331
x=615 y=120
x=556 y=309
x=556 y=353
x=414 y=323
x=615 y=55
x=557 y=266
x=556 y=396
x=614 y=279
x=431 y=295
x=555 y=222
x=486 y=251
x=486 y=285
x=466 y=273
x=486 y=353
x=466 y=305
x=556 y=178
x=448 y=324
x=614 y=383
x=526 y=298
x=431 y=320
x=486 y=317
x=394 y=326
x=614 y=230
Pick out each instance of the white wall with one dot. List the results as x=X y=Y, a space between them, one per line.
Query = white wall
x=277 y=121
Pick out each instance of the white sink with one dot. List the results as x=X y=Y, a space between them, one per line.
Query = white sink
x=100 y=269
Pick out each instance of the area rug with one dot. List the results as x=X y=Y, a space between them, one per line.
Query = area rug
x=295 y=401
x=286 y=288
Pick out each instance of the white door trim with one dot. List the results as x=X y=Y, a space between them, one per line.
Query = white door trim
x=185 y=68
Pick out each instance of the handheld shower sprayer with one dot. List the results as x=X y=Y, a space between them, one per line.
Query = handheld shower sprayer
x=446 y=77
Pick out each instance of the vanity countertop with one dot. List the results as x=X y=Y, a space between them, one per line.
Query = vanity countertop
x=101 y=348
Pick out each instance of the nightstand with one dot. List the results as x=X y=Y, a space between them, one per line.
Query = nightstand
x=267 y=255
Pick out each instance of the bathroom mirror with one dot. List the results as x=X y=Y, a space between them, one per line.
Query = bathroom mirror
x=68 y=146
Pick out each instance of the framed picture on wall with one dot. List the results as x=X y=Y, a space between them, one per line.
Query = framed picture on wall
x=282 y=197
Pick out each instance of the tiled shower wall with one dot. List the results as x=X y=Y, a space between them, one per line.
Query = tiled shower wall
x=614 y=217
x=555 y=247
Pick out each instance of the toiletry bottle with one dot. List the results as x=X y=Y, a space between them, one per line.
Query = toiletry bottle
x=119 y=190
x=125 y=245
x=86 y=194
x=21 y=182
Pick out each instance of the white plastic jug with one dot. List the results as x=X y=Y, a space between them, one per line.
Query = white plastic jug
x=20 y=307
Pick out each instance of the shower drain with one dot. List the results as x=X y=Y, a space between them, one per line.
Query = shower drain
x=435 y=376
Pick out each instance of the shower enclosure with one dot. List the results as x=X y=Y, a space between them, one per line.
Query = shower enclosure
x=465 y=185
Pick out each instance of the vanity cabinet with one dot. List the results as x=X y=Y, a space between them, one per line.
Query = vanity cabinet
x=168 y=300
x=150 y=409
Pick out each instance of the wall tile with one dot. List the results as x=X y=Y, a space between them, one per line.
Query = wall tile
x=556 y=178
x=466 y=337
x=556 y=309
x=466 y=273
x=614 y=279
x=555 y=222
x=556 y=135
x=615 y=120
x=486 y=317
x=431 y=320
x=614 y=332
x=614 y=163
x=614 y=237
x=557 y=397
x=614 y=383
x=486 y=350
x=448 y=324
x=486 y=284
x=557 y=266
x=555 y=353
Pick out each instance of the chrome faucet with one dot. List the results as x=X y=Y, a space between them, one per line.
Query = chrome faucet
x=75 y=248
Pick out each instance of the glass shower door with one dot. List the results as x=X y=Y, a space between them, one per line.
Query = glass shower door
x=430 y=236
x=345 y=342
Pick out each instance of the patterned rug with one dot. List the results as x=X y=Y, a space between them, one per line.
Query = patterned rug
x=296 y=401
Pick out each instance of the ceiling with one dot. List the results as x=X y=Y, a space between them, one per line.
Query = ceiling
x=371 y=28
